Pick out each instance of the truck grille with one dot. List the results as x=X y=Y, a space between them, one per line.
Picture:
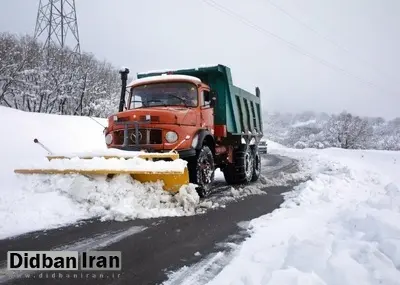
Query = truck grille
x=146 y=136
x=152 y=118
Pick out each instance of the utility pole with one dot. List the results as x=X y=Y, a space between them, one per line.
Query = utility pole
x=57 y=24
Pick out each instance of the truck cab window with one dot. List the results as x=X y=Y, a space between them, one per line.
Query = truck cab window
x=136 y=102
x=206 y=98
x=164 y=94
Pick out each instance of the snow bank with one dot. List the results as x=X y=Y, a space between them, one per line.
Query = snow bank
x=29 y=203
x=340 y=227
x=274 y=146
x=25 y=210
x=121 y=198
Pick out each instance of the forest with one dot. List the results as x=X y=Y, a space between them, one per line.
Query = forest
x=322 y=130
x=61 y=82
x=55 y=81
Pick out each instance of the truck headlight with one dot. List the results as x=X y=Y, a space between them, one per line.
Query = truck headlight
x=171 y=137
x=109 y=139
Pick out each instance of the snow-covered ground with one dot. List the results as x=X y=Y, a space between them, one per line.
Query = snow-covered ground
x=30 y=202
x=37 y=202
x=24 y=210
x=340 y=227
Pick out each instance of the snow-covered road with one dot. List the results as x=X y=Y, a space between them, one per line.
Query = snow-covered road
x=165 y=242
x=30 y=202
x=340 y=227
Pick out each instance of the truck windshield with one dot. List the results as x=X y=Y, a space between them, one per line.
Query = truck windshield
x=163 y=94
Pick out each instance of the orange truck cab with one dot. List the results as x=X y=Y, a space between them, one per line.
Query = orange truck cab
x=195 y=112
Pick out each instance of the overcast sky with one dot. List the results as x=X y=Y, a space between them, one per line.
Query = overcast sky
x=352 y=45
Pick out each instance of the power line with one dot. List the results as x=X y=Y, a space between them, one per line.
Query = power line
x=328 y=39
x=293 y=46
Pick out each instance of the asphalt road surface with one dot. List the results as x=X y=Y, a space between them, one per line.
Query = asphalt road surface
x=151 y=248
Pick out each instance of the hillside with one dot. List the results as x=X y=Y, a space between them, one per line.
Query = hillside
x=321 y=130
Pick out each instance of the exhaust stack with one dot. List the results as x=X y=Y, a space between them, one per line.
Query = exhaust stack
x=124 y=77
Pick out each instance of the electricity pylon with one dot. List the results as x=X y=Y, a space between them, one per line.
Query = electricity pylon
x=57 y=23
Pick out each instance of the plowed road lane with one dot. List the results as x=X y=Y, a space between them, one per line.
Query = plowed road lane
x=152 y=247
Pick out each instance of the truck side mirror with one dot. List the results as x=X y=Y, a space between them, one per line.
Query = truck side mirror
x=213 y=99
x=206 y=96
x=213 y=102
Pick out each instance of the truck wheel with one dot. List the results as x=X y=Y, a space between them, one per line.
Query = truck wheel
x=257 y=164
x=202 y=170
x=241 y=171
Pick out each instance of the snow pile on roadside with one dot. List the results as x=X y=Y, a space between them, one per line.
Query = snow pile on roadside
x=285 y=173
x=340 y=227
x=23 y=210
x=246 y=191
x=121 y=198
x=29 y=203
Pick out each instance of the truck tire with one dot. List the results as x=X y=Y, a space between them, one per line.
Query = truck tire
x=241 y=170
x=257 y=163
x=202 y=171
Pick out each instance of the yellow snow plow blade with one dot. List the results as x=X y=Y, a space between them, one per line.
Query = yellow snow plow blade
x=173 y=179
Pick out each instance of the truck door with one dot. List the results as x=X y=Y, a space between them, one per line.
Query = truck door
x=207 y=113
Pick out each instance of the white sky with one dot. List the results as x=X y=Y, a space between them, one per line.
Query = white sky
x=159 y=34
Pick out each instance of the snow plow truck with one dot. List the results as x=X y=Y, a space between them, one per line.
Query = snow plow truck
x=196 y=115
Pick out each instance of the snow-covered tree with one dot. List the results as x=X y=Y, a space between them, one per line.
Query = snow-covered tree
x=55 y=81
x=321 y=130
x=349 y=131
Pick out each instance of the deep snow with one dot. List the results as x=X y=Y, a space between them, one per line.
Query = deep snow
x=36 y=202
x=340 y=227
x=25 y=210
x=32 y=202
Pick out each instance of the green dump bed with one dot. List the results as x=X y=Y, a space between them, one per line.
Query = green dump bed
x=236 y=108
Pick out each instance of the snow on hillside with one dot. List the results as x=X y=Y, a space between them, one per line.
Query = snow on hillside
x=29 y=202
x=321 y=130
x=341 y=227
x=306 y=123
